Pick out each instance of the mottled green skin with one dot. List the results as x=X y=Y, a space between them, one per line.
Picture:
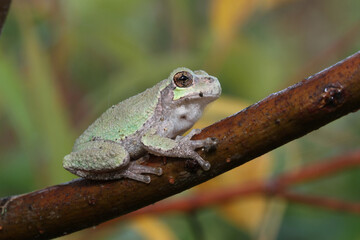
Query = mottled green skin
x=91 y=154
x=125 y=118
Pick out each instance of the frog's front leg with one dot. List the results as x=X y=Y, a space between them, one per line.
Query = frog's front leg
x=181 y=147
x=105 y=160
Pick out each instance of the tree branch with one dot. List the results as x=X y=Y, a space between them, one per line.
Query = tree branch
x=270 y=123
x=4 y=9
x=279 y=186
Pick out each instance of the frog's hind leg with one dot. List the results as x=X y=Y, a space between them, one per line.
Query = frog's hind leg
x=91 y=159
x=106 y=160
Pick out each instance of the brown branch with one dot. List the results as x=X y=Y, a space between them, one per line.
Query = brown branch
x=225 y=195
x=197 y=201
x=268 y=124
x=320 y=169
x=275 y=187
x=322 y=202
x=4 y=9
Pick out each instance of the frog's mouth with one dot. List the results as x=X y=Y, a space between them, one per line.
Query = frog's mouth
x=205 y=95
x=199 y=97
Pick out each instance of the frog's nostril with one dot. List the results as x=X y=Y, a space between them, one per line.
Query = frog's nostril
x=209 y=79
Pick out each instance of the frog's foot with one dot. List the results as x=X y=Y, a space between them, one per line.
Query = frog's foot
x=135 y=171
x=133 y=176
x=206 y=143
x=189 y=147
x=106 y=160
x=139 y=169
x=181 y=147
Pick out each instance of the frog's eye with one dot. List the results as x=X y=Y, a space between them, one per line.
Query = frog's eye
x=183 y=79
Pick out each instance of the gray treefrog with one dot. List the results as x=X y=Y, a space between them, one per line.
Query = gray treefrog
x=149 y=122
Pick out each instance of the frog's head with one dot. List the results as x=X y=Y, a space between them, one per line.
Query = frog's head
x=194 y=85
x=184 y=98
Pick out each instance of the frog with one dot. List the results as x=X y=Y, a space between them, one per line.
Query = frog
x=116 y=145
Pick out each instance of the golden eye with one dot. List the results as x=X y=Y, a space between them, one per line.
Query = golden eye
x=183 y=79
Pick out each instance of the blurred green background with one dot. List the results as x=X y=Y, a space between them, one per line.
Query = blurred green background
x=62 y=63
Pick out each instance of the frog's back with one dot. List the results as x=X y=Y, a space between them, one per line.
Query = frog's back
x=126 y=117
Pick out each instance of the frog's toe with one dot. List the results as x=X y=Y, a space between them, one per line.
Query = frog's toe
x=193 y=132
x=158 y=171
x=136 y=176
x=196 y=131
x=210 y=143
x=207 y=143
x=139 y=169
x=204 y=164
x=146 y=179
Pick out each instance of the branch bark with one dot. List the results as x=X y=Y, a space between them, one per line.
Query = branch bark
x=4 y=9
x=270 y=123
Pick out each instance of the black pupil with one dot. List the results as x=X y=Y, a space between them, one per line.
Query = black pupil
x=183 y=78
